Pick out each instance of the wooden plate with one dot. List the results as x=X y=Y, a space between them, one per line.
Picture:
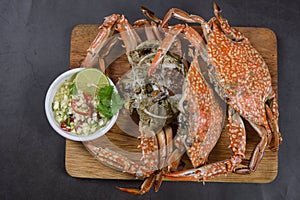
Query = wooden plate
x=79 y=163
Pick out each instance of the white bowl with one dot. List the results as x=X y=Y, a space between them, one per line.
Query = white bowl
x=50 y=115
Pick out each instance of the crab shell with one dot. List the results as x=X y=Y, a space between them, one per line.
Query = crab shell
x=201 y=117
x=240 y=75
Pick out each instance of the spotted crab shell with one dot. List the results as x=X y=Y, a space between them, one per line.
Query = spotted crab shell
x=201 y=117
x=240 y=74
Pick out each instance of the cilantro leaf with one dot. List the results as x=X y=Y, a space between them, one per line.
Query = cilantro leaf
x=116 y=103
x=106 y=111
x=104 y=95
x=72 y=89
x=109 y=101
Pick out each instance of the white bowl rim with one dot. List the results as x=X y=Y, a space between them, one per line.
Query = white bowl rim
x=49 y=113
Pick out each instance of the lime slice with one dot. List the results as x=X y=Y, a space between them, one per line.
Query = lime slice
x=90 y=80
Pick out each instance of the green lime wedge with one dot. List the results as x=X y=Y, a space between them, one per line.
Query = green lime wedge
x=90 y=80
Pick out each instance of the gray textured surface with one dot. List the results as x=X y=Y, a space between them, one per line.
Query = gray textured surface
x=34 y=49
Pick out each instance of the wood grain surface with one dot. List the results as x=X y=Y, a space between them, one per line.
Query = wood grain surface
x=79 y=163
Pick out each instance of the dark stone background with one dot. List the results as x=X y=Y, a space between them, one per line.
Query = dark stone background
x=34 y=49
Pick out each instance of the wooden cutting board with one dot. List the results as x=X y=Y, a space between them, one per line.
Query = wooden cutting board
x=79 y=163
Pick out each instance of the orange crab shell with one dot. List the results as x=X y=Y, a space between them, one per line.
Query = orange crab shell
x=203 y=111
x=240 y=73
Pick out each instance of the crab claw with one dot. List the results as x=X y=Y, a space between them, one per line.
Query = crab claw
x=165 y=46
x=145 y=187
x=207 y=171
x=128 y=35
x=217 y=12
x=198 y=174
x=157 y=59
x=217 y=8
x=182 y=175
x=148 y=13
x=105 y=31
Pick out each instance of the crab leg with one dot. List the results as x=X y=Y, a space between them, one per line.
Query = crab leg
x=165 y=46
x=128 y=35
x=229 y=31
x=169 y=140
x=149 y=147
x=148 y=28
x=237 y=136
x=117 y=161
x=105 y=50
x=156 y=31
x=148 y=13
x=272 y=115
x=265 y=132
x=191 y=34
x=258 y=151
x=145 y=187
x=162 y=141
x=156 y=21
x=181 y=15
x=105 y=30
x=151 y=29
x=196 y=40
x=163 y=137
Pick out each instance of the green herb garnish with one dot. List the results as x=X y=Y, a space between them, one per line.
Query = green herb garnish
x=109 y=101
x=116 y=103
x=73 y=89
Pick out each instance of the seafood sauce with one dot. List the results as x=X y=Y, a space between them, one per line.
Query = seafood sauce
x=76 y=112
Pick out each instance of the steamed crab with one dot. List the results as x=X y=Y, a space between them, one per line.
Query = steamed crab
x=189 y=101
x=241 y=78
